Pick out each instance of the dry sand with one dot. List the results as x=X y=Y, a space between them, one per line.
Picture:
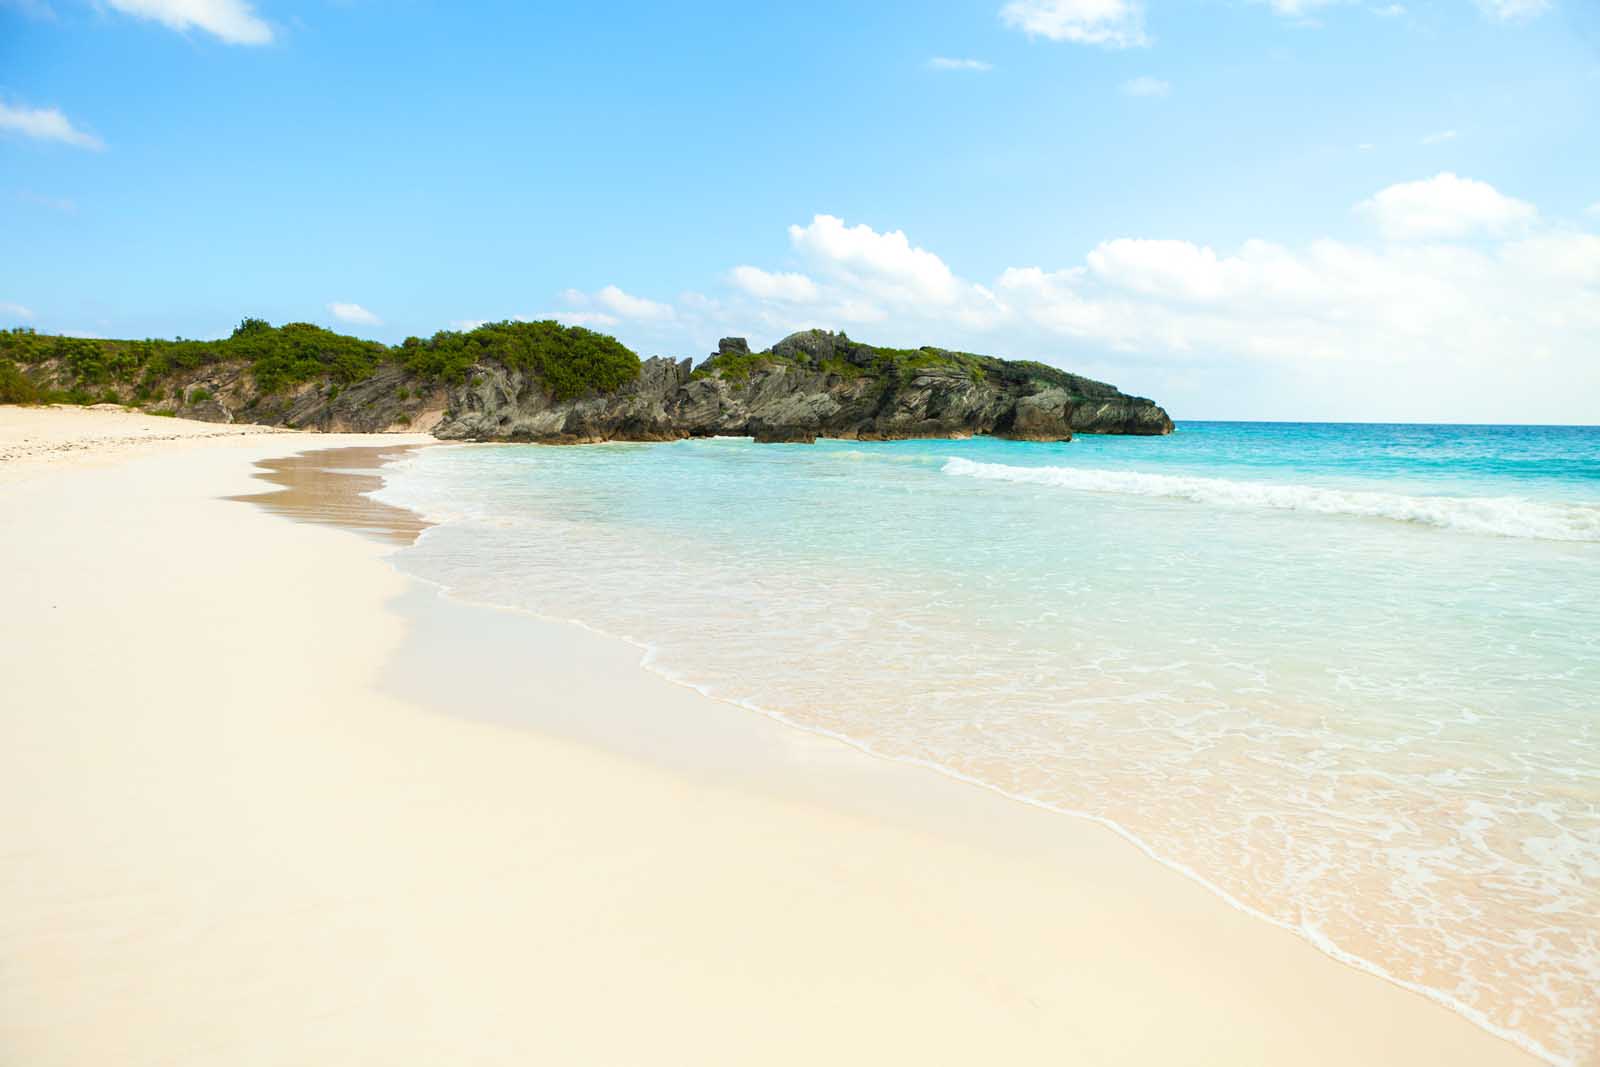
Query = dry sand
x=263 y=800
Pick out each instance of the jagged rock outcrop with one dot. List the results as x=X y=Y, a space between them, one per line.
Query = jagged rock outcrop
x=809 y=385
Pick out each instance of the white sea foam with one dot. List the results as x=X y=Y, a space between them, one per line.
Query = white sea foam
x=1505 y=516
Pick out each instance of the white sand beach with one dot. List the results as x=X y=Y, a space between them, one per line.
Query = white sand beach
x=264 y=800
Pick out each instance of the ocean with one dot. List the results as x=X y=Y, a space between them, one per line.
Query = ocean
x=1345 y=676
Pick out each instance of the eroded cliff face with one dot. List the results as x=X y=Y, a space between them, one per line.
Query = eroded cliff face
x=809 y=385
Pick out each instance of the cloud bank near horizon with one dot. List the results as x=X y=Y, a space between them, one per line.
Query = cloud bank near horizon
x=1457 y=287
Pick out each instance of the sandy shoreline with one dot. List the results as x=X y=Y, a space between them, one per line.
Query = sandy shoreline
x=265 y=800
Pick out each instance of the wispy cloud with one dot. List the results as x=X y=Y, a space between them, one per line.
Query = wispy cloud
x=947 y=63
x=232 y=21
x=1513 y=10
x=14 y=311
x=1106 y=23
x=1299 y=10
x=1439 y=137
x=1389 y=11
x=46 y=124
x=1146 y=86
x=353 y=313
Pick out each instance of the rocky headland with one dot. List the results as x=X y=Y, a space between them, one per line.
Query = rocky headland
x=541 y=382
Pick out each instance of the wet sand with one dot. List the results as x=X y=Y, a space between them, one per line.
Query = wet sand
x=329 y=486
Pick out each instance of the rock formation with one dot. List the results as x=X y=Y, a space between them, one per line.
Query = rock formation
x=809 y=385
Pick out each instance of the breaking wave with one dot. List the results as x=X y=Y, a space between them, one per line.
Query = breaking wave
x=1504 y=516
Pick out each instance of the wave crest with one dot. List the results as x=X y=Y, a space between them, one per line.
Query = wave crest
x=1504 y=516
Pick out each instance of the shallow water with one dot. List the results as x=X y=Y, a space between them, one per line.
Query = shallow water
x=1345 y=675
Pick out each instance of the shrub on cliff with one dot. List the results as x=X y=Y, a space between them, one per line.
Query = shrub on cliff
x=570 y=360
x=300 y=352
x=15 y=388
x=278 y=357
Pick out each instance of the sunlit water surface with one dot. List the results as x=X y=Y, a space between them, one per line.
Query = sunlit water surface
x=1347 y=676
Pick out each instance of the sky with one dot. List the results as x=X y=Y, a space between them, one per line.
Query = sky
x=1254 y=209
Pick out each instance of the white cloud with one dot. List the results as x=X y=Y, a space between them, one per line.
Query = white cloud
x=353 y=313
x=1512 y=10
x=1423 y=313
x=233 y=21
x=1389 y=11
x=629 y=306
x=1593 y=210
x=45 y=124
x=1557 y=255
x=885 y=264
x=792 y=287
x=1146 y=86
x=1299 y=9
x=1439 y=137
x=1444 y=206
x=1107 y=23
x=1501 y=329
x=946 y=63
x=1173 y=270
x=14 y=311
x=1366 y=146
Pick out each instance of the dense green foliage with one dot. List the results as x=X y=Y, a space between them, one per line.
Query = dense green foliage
x=278 y=357
x=15 y=388
x=851 y=360
x=298 y=352
x=569 y=359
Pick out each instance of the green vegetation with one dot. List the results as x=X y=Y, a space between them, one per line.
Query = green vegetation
x=278 y=357
x=852 y=360
x=736 y=367
x=570 y=361
x=840 y=369
x=904 y=364
x=15 y=388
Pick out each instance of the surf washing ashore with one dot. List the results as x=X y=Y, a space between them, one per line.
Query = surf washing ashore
x=1344 y=676
x=362 y=820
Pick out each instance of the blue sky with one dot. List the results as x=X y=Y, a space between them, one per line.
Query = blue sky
x=1274 y=209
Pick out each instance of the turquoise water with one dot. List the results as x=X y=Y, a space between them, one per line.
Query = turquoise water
x=1346 y=676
